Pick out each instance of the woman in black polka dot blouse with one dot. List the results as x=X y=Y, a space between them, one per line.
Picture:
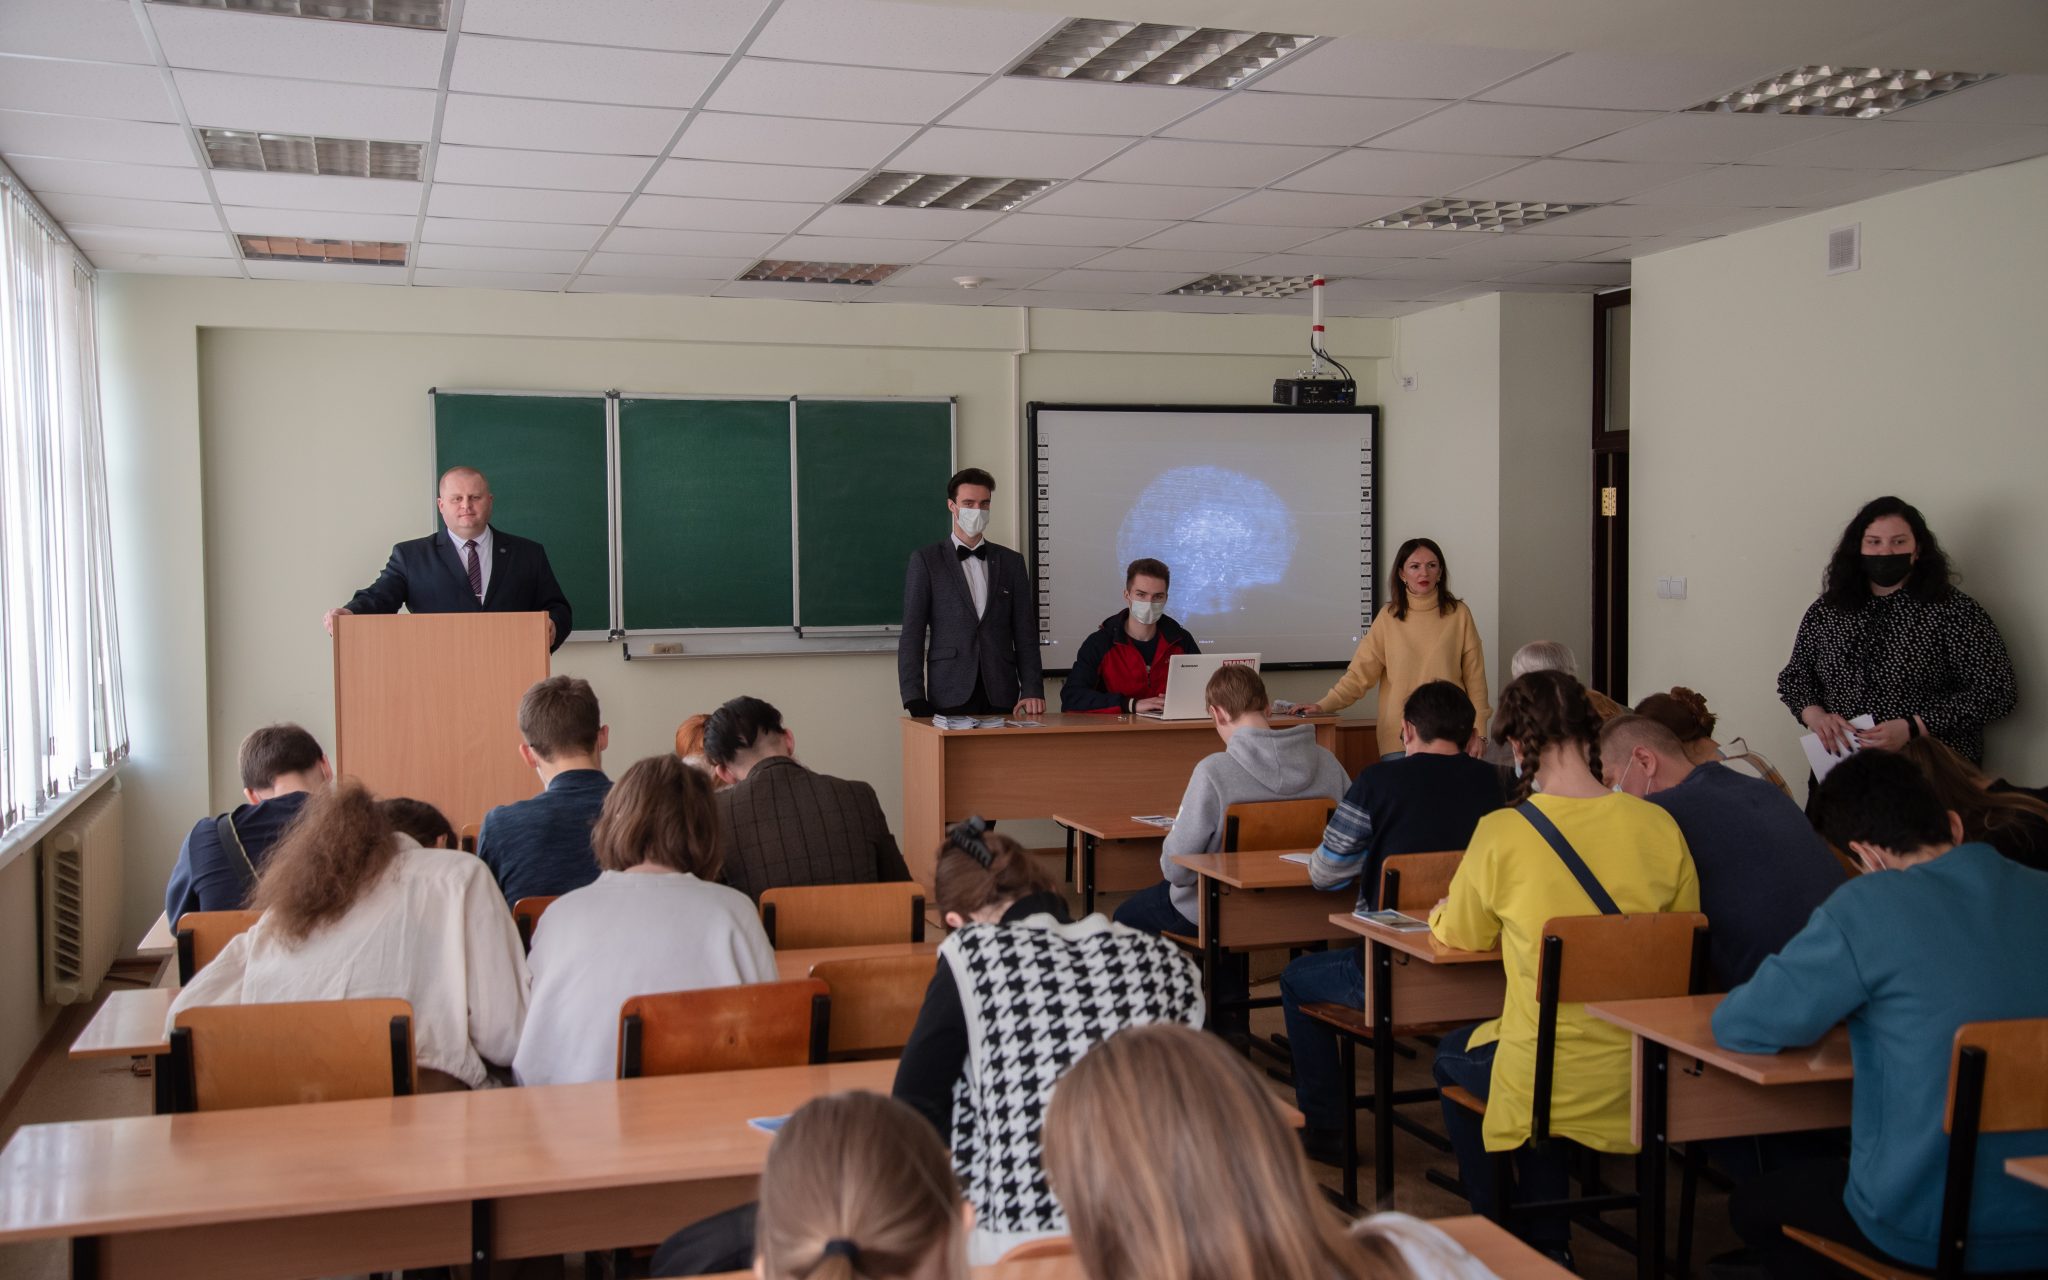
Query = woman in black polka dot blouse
x=1892 y=639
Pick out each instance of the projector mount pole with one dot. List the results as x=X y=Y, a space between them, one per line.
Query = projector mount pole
x=1315 y=327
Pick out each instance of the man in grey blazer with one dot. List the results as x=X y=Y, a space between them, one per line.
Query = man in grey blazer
x=975 y=600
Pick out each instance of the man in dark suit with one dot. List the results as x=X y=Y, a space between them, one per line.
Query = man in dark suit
x=975 y=600
x=471 y=568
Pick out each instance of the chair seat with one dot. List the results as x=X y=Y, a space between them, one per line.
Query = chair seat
x=1465 y=1098
x=1860 y=1263
x=1340 y=1017
x=1186 y=940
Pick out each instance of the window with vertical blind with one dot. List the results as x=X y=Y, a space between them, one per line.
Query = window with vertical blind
x=61 y=717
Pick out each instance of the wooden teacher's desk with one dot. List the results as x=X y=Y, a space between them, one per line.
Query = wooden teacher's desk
x=1086 y=763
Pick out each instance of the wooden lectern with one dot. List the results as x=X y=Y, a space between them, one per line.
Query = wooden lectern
x=427 y=706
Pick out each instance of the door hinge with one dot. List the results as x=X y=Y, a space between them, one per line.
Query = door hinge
x=1610 y=501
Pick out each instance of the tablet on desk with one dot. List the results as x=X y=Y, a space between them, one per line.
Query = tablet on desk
x=1396 y=920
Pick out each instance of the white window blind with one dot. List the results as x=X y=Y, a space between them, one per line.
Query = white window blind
x=61 y=716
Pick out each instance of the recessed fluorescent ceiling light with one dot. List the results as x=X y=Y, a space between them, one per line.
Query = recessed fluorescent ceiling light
x=1474 y=215
x=1154 y=53
x=420 y=15
x=1855 y=92
x=945 y=191
x=777 y=271
x=1228 y=286
x=296 y=153
x=368 y=253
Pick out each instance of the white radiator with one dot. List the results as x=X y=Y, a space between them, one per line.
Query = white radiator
x=82 y=864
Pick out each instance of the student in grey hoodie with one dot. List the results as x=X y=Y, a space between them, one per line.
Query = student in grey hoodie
x=1258 y=762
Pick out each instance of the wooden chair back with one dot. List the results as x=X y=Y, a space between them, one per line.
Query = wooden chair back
x=843 y=915
x=466 y=836
x=875 y=1000
x=1415 y=882
x=224 y=1057
x=761 y=1024
x=2015 y=1092
x=526 y=914
x=1276 y=824
x=202 y=935
x=1049 y=1247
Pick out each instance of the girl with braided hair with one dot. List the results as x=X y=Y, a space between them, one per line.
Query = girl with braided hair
x=1569 y=847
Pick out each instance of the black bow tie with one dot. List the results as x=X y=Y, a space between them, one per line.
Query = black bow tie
x=979 y=551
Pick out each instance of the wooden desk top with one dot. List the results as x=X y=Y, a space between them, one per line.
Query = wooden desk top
x=2032 y=1169
x=127 y=1024
x=793 y=964
x=1685 y=1024
x=1419 y=943
x=1063 y=722
x=105 y=1176
x=1260 y=869
x=159 y=943
x=1108 y=825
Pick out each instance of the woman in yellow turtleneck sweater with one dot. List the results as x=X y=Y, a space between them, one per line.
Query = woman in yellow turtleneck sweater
x=1425 y=634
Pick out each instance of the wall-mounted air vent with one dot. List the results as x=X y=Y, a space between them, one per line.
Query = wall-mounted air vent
x=1845 y=249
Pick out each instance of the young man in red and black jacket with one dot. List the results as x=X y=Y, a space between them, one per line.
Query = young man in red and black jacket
x=1122 y=667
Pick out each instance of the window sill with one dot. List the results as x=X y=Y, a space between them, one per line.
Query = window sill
x=23 y=836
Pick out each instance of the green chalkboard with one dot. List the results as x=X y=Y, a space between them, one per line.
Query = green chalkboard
x=545 y=459
x=871 y=488
x=704 y=535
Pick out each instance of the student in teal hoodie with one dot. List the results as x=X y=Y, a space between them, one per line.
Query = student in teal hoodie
x=1937 y=933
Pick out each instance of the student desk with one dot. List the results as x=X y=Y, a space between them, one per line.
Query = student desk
x=1715 y=1092
x=1431 y=984
x=379 y=1184
x=1254 y=901
x=1134 y=847
x=2032 y=1169
x=159 y=943
x=1091 y=763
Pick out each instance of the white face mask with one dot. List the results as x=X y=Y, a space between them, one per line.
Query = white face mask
x=1624 y=775
x=1147 y=612
x=972 y=520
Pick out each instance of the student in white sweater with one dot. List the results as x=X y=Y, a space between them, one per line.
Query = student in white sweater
x=656 y=919
x=352 y=908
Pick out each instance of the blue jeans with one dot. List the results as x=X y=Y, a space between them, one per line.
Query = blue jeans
x=1322 y=977
x=1539 y=1175
x=1152 y=911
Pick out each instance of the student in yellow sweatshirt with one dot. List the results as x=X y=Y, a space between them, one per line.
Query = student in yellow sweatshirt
x=1424 y=633
x=1513 y=879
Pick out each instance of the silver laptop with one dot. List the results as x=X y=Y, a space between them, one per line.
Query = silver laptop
x=1187 y=683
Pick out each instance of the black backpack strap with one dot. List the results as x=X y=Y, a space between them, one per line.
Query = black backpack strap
x=1570 y=857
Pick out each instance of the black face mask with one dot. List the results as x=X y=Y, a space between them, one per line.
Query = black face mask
x=1887 y=571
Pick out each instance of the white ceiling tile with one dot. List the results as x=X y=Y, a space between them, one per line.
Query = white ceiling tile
x=1520 y=246
x=879 y=33
x=1597 y=275
x=510 y=235
x=260 y=44
x=1636 y=81
x=535 y=282
x=841 y=143
x=114 y=90
x=874 y=220
x=1888 y=144
x=1701 y=138
x=1433 y=270
x=1629 y=220
x=1117 y=281
x=1880 y=182
x=1752 y=186
x=327 y=272
x=95 y=30
x=581 y=72
x=520 y=204
x=1275 y=117
x=311 y=191
x=686 y=214
x=668 y=266
x=758 y=86
x=1481 y=128
x=1577 y=181
x=1047 y=228
x=1005 y=256
x=319 y=224
x=1993 y=145
x=558 y=126
x=1396 y=69
x=1372 y=172
x=1388 y=242
x=468 y=257
x=562 y=170
x=1209 y=305
x=929 y=296
x=82 y=138
x=1198 y=262
x=994 y=279
x=166 y=264
x=107 y=211
x=190 y=244
x=1356 y=288
x=1221 y=164
x=2011 y=99
x=1307 y=209
x=1366 y=309
x=217 y=100
x=1072 y=300
x=128 y=181
x=990 y=153
x=856 y=249
x=1643 y=247
x=1131 y=200
x=1305 y=263
x=752 y=181
x=1250 y=239
x=794 y=292
x=691 y=244
x=703 y=26
x=588 y=283
x=1078 y=106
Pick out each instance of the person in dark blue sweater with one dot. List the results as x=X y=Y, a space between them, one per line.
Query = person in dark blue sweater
x=541 y=847
x=1762 y=867
x=1937 y=934
x=280 y=765
x=1427 y=801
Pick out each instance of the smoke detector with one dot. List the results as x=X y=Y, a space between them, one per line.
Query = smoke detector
x=970 y=282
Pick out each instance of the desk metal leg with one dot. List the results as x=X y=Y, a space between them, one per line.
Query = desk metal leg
x=1381 y=958
x=1653 y=1088
x=164 y=1100
x=85 y=1258
x=1212 y=950
x=1088 y=852
x=480 y=1243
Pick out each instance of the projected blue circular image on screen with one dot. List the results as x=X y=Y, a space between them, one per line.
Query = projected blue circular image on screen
x=1222 y=531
